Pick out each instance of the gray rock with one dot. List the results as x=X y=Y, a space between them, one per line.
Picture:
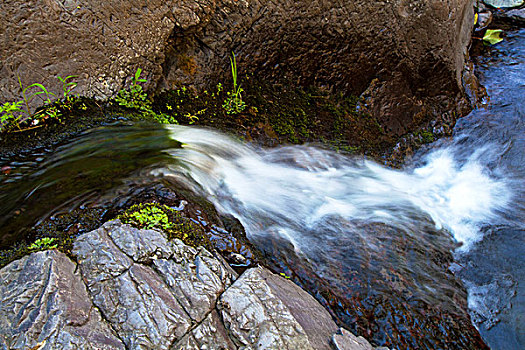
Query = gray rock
x=313 y=318
x=150 y=289
x=344 y=340
x=43 y=301
x=504 y=3
x=142 y=246
x=131 y=296
x=197 y=283
x=484 y=20
x=135 y=289
x=514 y=16
x=257 y=318
x=210 y=335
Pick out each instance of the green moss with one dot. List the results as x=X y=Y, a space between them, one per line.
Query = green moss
x=169 y=220
x=427 y=137
x=43 y=244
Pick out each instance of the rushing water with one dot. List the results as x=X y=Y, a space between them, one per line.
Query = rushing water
x=375 y=245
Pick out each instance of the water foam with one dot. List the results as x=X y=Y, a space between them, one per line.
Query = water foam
x=300 y=186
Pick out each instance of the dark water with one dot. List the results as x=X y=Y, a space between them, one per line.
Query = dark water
x=386 y=251
x=494 y=269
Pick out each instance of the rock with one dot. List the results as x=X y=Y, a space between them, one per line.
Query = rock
x=265 y=311
x=149 y=306
x=416 y=49
x=515 y=16
x=210 y=335
x=504 y=3
x=484 y=20
x=43 y=301
x=344 y=340
x=134 y=289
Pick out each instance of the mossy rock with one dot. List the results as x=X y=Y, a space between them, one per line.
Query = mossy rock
x=167 y=219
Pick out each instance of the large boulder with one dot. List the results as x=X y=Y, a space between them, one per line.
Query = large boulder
x=408 y=55
x=134 y=289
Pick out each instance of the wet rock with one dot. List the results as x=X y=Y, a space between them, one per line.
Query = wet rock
x=197 y=282
x=43 y=301
x=131 y=296
x=135 y=289
x=484 y=20
x=504 y=3
x=515 y=16
x=257 y=318
x=265 y=311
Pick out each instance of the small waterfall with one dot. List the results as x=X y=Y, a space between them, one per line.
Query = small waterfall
x=294 y=189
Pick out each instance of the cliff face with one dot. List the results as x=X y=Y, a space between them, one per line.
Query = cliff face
x=408 y=56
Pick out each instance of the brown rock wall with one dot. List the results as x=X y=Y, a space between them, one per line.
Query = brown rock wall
x=413 y=51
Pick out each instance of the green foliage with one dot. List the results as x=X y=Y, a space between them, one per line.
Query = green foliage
x=67 y=86
x=135 y=97
x=14 y=114
x=147 y=216
x=233 y=104
x=427 y=137
x=492 y=36
x=10 y=113
x=169 y=220
x=43 y=244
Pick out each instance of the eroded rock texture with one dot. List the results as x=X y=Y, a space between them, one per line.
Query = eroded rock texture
x=134 y=289
x=43 y=301
x=408 y=55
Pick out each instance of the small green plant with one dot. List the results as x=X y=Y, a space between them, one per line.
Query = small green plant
x=233 y=104
x=10 y=113
x=68 y=85
x=16 y=113
x=43 y=244
x=135 y=97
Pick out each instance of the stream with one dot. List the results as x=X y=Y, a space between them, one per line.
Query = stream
x=386 y=251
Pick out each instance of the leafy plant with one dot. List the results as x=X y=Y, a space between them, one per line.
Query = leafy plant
x=148 y=217
x=43 y=244
x=28 y=98
x=234 y=104
x=67 y=86
x=10 y=113
x=135 y=97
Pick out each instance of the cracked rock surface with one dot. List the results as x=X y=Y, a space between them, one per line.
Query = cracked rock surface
x=134 y=289
x=43 y=300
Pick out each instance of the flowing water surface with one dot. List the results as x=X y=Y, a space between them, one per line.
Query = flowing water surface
x=387 y=251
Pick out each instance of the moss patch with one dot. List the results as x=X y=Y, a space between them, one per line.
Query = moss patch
x=169 y=220
x=279 y=114
x=56 y=232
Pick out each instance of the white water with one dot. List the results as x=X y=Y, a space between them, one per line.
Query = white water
x=290 y=190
